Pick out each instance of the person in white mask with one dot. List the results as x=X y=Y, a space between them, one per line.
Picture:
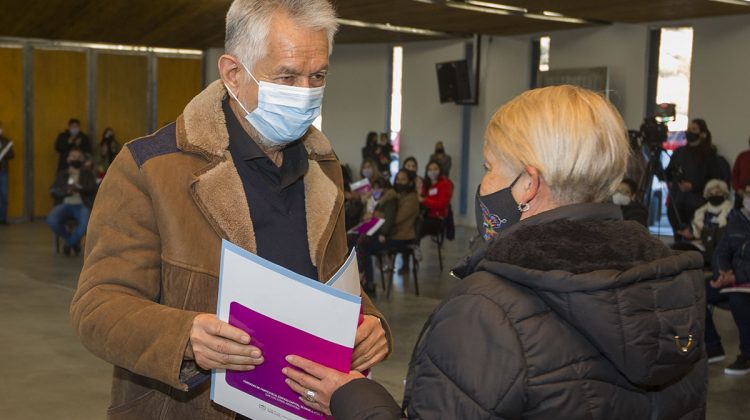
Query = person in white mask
x=625 y=197
x=242 y=163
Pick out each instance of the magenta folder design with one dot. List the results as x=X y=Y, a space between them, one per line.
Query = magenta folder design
x=277 y=340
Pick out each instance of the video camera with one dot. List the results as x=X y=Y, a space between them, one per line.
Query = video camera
x=653 y=132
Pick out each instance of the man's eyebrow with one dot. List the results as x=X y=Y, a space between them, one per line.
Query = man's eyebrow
x=287 y=70
x=291 y=71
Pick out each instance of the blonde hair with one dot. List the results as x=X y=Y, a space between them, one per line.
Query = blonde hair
x=573 y=136
x=249 y=22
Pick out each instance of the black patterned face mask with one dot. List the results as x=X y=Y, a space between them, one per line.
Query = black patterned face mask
x=496 y=211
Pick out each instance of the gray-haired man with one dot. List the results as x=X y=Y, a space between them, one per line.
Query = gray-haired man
x=235 y=165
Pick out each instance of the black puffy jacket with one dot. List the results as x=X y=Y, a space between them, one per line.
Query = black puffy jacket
x=570 y=314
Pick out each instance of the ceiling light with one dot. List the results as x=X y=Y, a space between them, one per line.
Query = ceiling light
x=391 y=28
x=735 y=2
x=496 y=6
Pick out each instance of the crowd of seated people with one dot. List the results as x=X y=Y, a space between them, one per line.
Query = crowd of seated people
x=410 y=206
x=80 y=171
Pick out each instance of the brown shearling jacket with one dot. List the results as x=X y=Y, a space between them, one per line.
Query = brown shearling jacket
x=153 y=253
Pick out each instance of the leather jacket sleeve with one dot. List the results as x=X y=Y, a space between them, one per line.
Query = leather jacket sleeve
x=115 y=310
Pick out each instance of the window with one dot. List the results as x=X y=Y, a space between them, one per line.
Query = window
x=673 y=83
x=544 y=44
x=397 y=69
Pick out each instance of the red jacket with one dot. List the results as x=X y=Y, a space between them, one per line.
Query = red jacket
x=437 y=198
x=741 y=171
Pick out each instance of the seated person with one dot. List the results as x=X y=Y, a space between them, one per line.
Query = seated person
x=709 y=220
x=732 y=262
x=399 y=207
x=437 y=192
x=631 y=208
x=74 y=190
x=353 y=206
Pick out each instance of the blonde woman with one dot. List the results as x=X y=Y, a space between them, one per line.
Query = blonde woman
x=569 y=312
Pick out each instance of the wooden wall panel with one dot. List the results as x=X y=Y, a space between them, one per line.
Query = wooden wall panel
x=121 y=100
x=178 y=81
x=11 y=115
x=59 y=94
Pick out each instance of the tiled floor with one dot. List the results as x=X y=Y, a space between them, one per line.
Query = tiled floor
x=46 y=373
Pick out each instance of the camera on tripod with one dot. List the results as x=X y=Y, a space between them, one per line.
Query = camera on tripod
x=654 y=131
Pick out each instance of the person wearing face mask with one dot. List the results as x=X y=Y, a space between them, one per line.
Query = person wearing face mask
x=690 y=167
x=625 y=197
x=733 y=270
x=74 y=190
x=442 y=158
x=72 y=138
x=4 y=142
x=242 y=163
x=410 y=164
x=399 y=207
x=437 y=192
x=711 y=218
x=108 y=149
x=568 y=312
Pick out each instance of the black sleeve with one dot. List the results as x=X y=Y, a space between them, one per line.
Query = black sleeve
x=61 y=144
x=10 y=155
x=86 y=144
x=469 y=336
x=58 y=188
x=389 y=212
x=88 y=183
x=364 y=399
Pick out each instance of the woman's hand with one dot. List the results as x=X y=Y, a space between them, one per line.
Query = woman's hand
x=725 y=279
x=316 y=383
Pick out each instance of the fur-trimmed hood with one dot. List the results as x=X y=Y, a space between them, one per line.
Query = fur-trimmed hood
x=638 y=302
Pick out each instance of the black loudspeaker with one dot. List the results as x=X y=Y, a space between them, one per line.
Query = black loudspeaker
x=453 y=81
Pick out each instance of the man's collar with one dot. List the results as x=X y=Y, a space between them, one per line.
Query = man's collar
x=240 y=142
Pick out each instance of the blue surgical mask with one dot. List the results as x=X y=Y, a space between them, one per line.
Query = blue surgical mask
x=284 y=113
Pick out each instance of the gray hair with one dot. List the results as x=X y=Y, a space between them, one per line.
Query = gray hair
x=249 y=21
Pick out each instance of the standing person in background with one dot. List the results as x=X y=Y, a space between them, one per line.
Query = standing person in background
x=442 y=158
x=4 y=141
x=384 y=155
x=437 y=192
x=371 y=147
x=410 y=164
x=689 y=169
x=72 y=138
x=740 y=174
x=73 y=191
x=637 y=165
x=108 y=149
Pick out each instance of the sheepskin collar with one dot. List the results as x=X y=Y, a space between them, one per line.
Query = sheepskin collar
x=217 y=188
x=202 y=128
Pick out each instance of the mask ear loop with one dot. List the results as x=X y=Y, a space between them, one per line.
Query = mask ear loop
x=235 y=96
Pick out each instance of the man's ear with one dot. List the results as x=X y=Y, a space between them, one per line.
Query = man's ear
x=229 y=71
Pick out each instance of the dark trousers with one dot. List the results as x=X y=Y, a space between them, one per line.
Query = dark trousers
x=739 y=305
x=370 y=246
x=3 y=196
x=57 y=217
x=680 y=210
